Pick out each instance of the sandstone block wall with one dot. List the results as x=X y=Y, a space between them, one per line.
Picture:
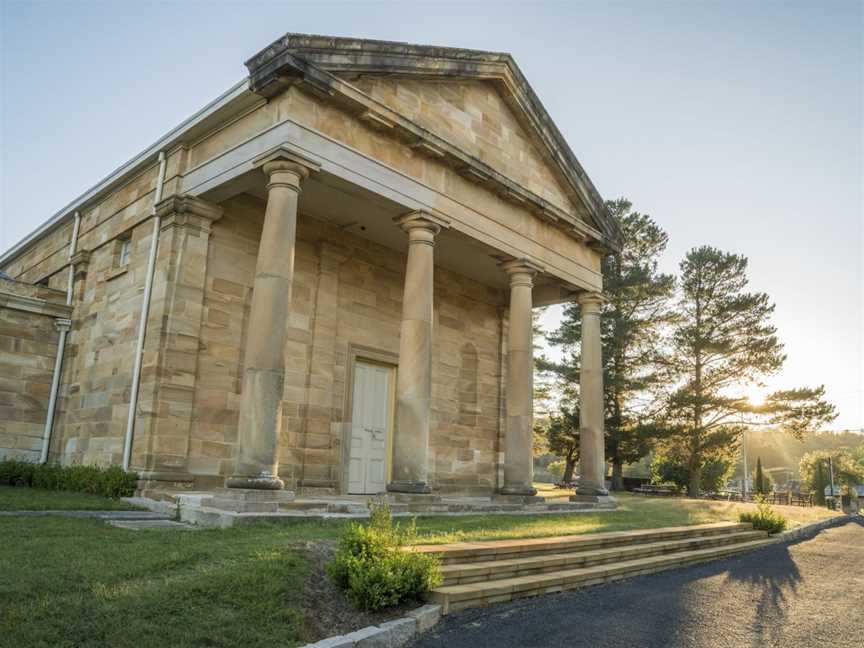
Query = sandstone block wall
x=28 y=347
x=346 y=302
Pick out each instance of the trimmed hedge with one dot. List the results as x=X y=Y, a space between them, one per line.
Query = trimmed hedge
x=372 y=565
x=107 y=482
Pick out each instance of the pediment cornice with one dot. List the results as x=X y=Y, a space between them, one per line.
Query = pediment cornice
x=318 y=64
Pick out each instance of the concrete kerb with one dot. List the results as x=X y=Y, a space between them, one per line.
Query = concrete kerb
x=805 y=531
x=391 y=634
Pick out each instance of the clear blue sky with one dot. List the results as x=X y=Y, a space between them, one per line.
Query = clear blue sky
x=735 y=124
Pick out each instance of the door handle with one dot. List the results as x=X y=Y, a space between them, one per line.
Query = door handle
x=374 y=433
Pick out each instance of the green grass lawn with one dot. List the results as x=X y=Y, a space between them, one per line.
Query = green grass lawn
x=74 y=582
x=15 y=498
x=634 y=512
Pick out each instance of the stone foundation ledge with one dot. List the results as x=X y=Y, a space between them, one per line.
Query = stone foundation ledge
x=224 y=508
x=392 y=634
x=248 y=500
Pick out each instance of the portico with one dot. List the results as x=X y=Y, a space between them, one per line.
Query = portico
x=357 y=315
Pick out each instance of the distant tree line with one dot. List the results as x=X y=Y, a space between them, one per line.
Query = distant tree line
x=679 y=354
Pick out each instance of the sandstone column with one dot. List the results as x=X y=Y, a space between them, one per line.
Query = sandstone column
x=518 y=446
x=264 y=359
x=414 y=375
x=592 y=465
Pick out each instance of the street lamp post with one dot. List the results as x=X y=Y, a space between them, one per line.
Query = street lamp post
x=744 y=453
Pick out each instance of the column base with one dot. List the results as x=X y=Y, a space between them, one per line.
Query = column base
x=261 y=482
x=591 y=490
x=604 y=501
x=414 y=488
x=523 y=491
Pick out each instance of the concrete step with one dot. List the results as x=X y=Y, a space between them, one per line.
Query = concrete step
x=453 y=598
x=475 y=572
x=464 y=552
x=149 y=525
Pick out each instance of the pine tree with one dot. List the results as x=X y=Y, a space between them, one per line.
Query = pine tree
x=562 y=438
x=722 y=340
x=637 y=296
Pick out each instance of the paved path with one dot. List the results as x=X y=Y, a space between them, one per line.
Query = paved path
x=791 y=595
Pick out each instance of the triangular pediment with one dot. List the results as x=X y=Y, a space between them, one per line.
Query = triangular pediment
x=473 y=116
x=478 y=102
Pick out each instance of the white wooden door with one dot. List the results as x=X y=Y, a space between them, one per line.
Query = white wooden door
x=370 y=420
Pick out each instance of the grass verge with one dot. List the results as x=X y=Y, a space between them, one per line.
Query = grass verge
x=21 y=498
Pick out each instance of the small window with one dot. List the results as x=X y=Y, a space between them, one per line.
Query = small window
x=125 y=252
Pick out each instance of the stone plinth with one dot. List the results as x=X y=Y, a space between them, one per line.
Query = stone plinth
x=518 y=499
x=248 y=500
x=413 y=498
x=602 y=500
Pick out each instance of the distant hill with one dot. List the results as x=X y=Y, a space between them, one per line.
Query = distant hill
x=780 y=450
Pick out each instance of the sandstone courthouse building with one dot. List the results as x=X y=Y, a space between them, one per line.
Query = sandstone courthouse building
x=324 y=279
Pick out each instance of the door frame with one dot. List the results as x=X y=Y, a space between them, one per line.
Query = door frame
x=359 y=353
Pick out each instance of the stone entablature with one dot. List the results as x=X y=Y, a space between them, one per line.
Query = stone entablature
x=313 y=61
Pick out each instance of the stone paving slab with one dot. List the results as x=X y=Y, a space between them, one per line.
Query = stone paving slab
x=147 y=525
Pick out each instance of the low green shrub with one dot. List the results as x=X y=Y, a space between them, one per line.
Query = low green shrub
x=372 y=565
x=107 y=482
x=764 y=518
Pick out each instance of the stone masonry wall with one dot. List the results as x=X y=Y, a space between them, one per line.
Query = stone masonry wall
x=347 y=294
x=28 y=347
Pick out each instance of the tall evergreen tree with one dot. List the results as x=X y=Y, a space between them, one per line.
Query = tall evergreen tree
x=760 y=478
x=637 y=297
x=562 y=437
x=721 y=341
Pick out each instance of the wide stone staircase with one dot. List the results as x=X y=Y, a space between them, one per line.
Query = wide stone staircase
x=477 y=574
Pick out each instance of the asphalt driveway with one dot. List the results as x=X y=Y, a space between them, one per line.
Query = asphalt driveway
x=801 y=594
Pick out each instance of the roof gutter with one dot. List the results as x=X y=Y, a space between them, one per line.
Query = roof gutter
x=148 y=157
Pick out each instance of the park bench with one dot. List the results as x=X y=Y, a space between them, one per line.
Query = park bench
x=647 y=489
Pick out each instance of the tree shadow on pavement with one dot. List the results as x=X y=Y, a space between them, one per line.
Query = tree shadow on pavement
x=769 y=584
x=742 y=600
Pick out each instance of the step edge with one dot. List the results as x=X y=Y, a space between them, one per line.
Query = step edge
x=622 y=567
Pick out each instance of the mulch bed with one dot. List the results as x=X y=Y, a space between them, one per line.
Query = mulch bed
x=327 y=609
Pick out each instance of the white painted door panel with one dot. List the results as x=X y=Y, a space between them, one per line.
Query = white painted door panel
x=367 y=471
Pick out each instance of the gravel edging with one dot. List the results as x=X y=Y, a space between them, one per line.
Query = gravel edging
x=391 y=634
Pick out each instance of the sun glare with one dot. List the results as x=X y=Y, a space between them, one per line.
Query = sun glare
x=755 y=395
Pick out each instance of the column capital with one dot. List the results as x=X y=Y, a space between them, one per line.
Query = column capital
x=62 y=324
x=422 y=220
x=591 y=301
x=188 y=211
x=521 y=270
x=286 y=158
